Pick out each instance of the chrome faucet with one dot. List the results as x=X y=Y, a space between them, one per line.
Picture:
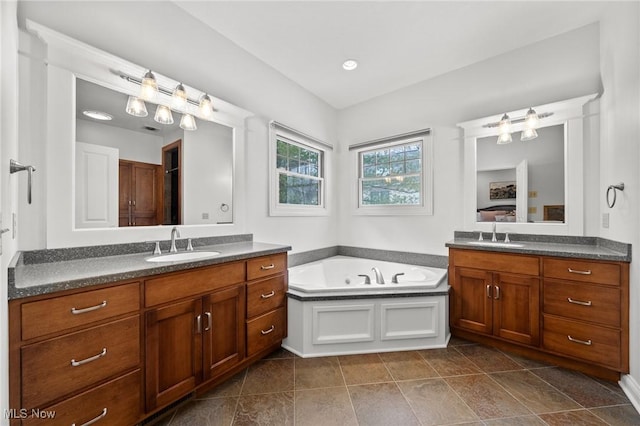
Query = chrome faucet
x=493 y=235
x=379 y=277
x=174 y=232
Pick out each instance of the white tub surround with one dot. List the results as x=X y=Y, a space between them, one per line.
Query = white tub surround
x=331 y=311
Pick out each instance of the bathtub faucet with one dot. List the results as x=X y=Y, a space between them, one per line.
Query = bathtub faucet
x=379 y=277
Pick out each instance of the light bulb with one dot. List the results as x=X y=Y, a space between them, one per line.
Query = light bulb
x=187 y=122
x=531 y=120
x=163 y=115
x=136 y=107
x=504 y=126
x=528 y=134
x=148 y=87
x=206 y=107
x=179 y=98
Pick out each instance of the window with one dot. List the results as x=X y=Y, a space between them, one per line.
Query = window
x=394 y=175
x=297 y=173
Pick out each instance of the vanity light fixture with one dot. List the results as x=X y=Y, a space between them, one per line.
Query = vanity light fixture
x=136 y=107
x=187 y=122
x=163 y=115
x=148 y=86
x=98 y=115
x=531 y=121
x=179 y=98
x=205 y=106
x=350 y=64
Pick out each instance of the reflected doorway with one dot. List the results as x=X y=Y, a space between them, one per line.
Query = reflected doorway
x=172 y=183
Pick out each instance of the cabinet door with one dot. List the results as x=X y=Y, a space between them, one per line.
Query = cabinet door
x=174 y=352
x=145 y=194
x=472 y=300
x=124 y=194
x=516 y=308
x=223 y=330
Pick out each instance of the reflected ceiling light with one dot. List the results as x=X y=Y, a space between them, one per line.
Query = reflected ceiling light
x=205 y=106
x=350 y=64
x=504 y=138
x=179 y=98
x=163 y=115
x=148 y=86
x=136 y=107
x=531 y=122
x=528 y=134
x=98 y=115
x=504 y=130
x=187 y=122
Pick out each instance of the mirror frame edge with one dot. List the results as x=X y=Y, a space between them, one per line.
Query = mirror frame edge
x=569 y=113
x=68 y=59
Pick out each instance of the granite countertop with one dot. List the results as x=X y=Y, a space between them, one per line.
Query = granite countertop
x=37 y=278
x=592 y=248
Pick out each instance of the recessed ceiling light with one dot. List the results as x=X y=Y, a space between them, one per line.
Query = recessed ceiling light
x=350 y=64
x=98 y=115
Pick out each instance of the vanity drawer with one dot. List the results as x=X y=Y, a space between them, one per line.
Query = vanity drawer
x=583 y=270
x=62 y=313
x=266 y=295
x=186 y=284
x=585 y=302
x=54 y=368
x=580 y=340
x=265 y=331
x=497 y=262
x=265 y=266
x=114 y=403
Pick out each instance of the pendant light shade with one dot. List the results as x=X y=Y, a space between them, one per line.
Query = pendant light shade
x=206 y=107
x=148 y=87
x=163 y=115
x=179 y=98
x=504 y=138
x=528 y=134
x=187 y=122
x=531 y=120
x=504 y=130
x=136 y=107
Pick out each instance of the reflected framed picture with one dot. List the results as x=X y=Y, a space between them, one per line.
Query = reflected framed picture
x=502 y=190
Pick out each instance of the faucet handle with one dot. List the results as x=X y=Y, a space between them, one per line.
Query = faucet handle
x=480 y=237
x=367 y=280
x=394 y=278
x=189 y=246
x=157 y=250
x=506 y=237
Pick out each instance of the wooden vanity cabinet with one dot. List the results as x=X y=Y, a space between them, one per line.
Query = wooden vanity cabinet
x=489 y=300
x=571 y=312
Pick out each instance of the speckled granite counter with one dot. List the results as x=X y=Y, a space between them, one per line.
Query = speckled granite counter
x=549 y=245
x=29 y=275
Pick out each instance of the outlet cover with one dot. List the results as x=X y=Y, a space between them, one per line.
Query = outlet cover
x=533 y=210
x=605 y=220
x=205 y=216
x=533 y=194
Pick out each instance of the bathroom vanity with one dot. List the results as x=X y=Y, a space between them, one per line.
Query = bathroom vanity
x=134 y=337
x=563 y=302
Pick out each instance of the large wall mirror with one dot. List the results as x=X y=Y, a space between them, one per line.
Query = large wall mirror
x=133 y=171
x=97 y=171
x=527 y=186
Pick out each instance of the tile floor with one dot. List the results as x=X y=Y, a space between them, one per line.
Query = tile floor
x=464 y=384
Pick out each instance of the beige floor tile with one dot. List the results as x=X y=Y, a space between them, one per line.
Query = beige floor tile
x=360 y=369
x=407 y=365
x=207 y=412
x=449 y=362
x=516 y=421
x=381 y=404
x=536 y=394
x=231 y=387
x=488 y=359
x=267 y=409
x=486 y=398
x=326 y=406
x=619 y=415
x=317 y=373
x=271 y=375
x=572 y=418
x=435 y=403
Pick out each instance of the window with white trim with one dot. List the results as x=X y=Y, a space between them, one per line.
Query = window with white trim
x=394 y=175
x=298 y=170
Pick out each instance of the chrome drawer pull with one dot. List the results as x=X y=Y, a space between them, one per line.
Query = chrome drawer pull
x=273 y=327
x=268 y=295
x=497 y=293
x=489 y=291
x=582 y=342
x=75 y=311
x=576 y=271
x=209 y=321
x=578 y=302
x=75 y=363
x=264 y=268
x=90 y=422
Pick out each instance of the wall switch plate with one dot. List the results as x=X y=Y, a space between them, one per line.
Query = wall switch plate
x=605 y=220
x=533 y=210
x=205 y=215
x=533 y=194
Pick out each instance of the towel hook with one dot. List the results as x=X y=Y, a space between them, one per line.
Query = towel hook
x=15 y=167
x=615 y=188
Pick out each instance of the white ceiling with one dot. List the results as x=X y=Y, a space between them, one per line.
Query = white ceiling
x=396 y=43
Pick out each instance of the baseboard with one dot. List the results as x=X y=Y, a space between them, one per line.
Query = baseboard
x=632 y=389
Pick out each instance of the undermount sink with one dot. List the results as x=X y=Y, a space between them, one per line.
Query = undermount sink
x=185 y=255
x=495 y=244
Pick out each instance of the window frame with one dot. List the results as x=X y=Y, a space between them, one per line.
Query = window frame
x=293 y=137
x=426 y=192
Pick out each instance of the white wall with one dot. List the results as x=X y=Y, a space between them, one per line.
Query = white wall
x=134 y=146
x=201 y=57
x=207 y=160
x=8 y=184
x=565 y=66
x=619 y=151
